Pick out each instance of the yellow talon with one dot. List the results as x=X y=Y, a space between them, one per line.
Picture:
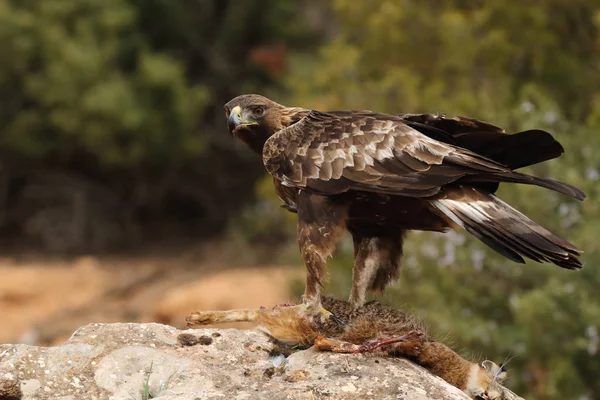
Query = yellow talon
x=324 y=312
x=322 y=315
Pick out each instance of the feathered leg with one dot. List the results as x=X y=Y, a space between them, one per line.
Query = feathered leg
x=321 y=223
x=376 y=264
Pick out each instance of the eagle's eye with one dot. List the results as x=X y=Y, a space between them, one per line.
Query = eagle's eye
x=227 y=111
x=258 y=112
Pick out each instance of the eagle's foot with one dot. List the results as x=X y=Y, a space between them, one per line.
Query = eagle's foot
x=323 y=316
x=315 y=314
x=319 y=316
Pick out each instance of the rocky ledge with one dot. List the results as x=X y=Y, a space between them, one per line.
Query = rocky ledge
x=142 y=361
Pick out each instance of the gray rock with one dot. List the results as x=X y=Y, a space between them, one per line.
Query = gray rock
x=116 y=361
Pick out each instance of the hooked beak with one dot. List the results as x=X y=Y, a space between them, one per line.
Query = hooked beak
x=235 y=119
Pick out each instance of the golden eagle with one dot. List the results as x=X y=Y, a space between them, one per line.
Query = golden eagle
x=380 y=175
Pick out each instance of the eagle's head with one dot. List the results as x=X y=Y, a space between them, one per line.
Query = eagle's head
x=254 y=118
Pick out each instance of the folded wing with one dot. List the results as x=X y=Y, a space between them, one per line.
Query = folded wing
x=332 y=153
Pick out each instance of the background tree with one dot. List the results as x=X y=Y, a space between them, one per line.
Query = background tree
x=111 y=117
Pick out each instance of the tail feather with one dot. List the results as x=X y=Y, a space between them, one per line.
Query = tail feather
x=505 y=229
x=516 y=177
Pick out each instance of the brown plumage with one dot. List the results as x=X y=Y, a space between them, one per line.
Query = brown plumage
x=380 y=175
x=371 y=328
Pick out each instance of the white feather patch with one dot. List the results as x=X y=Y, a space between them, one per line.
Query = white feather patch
x=367 y=273
x=476 y=210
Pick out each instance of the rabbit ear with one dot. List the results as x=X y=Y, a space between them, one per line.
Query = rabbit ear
x=494 y=370
x=488 y=365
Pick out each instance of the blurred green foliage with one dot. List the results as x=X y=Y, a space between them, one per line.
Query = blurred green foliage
x=83 y=78
x=117 y=106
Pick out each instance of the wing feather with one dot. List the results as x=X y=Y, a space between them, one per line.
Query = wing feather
x=345 y=151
